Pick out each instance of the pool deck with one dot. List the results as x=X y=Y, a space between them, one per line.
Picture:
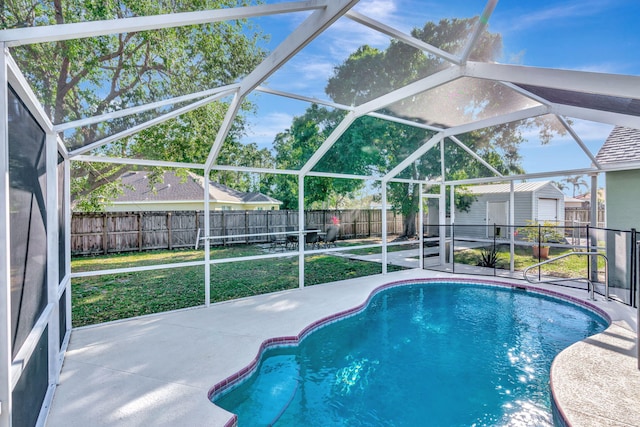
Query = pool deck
x=158 y=370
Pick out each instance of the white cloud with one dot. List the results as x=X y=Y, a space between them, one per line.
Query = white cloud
x=592 y=134
x=566 y=11
x=263 y=130
x=591 y=131
x=377 y=9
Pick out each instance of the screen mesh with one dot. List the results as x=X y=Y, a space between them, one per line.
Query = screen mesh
x=31 y=388
x=27 y=195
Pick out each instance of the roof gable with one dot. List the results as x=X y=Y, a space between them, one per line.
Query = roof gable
x=173 y=188
x=622 y=145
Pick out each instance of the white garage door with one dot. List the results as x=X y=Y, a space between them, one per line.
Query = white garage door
x=548 y=210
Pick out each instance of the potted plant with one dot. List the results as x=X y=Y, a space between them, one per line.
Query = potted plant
x=539 y=234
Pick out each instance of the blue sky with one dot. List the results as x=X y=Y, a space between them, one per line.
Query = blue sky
x=588 y=35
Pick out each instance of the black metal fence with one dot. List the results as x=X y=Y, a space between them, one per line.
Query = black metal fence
x=487 y=250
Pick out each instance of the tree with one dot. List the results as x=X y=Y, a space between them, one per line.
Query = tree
x=295 y=146
x=577 y=181
x=369 y=73
x=562 y=185
x=87 y=77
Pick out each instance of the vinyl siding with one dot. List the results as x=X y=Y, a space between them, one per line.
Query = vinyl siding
x=623 y=199
x=525 y=209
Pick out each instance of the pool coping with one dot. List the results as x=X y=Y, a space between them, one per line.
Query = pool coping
x=98 y=377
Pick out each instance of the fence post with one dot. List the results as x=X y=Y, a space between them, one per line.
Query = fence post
x=355 y=226
x=246 y=224
x=223 y=229
x=105 y=242
x=140 y=214
x=169 y=234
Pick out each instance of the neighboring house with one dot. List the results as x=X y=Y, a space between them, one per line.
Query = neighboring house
x=536 y=200
x=573 y=202
x=621 y=150
x=176 y=193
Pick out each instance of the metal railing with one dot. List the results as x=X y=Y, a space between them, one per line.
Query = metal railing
x=591 y=284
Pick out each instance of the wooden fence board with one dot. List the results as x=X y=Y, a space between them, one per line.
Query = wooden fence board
x=94 y=233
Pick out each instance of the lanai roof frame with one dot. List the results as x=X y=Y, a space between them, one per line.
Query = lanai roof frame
x=517 y=77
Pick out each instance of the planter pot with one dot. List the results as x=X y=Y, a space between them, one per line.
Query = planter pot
x=541 y=252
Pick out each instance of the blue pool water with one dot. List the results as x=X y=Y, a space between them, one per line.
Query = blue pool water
x=419 y=355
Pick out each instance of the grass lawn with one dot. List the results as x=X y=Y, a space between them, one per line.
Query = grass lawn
x=394 y=248
x=573 y=266
x=117 y=296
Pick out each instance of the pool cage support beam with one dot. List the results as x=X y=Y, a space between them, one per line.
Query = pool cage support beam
x=421 y=227
x=482 y=23
x=384 y=226
x=207 y=240
x=5 y=269
x=594 y=223
x=512 y=221
x=53 y=277
x=442 y=208
x=452 y=220
x=301 y=236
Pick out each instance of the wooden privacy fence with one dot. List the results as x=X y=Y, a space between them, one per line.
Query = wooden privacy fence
x=95 y=233
x=582 y=216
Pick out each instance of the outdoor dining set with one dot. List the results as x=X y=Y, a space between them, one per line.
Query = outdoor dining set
x=313 y=238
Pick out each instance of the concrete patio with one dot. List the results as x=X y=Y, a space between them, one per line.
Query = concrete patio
x=157 y=370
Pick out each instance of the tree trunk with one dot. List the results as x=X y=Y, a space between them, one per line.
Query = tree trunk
x=413 y=199
x=410 y=224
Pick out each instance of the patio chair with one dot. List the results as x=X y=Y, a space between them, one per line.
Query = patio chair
x=278 y=241
x=312 y=239
x=292 y=238
x=331 y=236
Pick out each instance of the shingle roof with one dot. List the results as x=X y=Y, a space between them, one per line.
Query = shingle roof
x=622 y=145
x=521 y=187
x=173 y=188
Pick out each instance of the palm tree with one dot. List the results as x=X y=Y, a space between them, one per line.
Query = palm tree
x=561 y=185
x=577 y=181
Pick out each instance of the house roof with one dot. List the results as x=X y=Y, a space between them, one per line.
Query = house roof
x=569 y=199
x=173 y=188
x=522 y=187
x=622 y=145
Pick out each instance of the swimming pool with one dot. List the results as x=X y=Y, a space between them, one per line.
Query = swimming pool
x=418 y=354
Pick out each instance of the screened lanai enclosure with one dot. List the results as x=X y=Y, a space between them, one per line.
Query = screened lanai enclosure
x=309 y=102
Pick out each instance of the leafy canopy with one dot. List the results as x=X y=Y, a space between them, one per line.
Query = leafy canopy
x=375 y=146
x=87 y=77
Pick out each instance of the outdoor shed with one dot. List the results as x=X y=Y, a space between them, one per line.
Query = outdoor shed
x=183 y=193
x=538 y=201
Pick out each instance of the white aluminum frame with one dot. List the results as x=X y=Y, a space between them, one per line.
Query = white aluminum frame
x=5 y=261
x=323 y=13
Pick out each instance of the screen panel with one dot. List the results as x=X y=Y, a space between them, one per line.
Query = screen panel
x=62 y=317
x=62 y=229
x=31 y=388
x=28 y=239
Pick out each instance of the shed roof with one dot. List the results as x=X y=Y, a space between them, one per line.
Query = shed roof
x=523 y=187
x=622 y=145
